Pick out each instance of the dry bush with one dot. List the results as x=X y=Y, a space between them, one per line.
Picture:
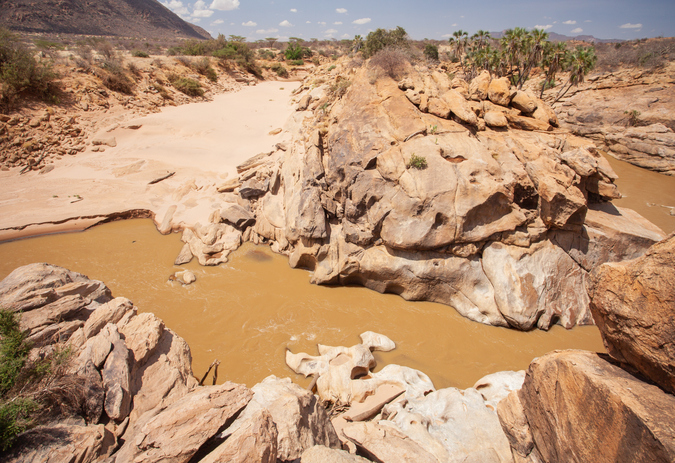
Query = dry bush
x=644 y=53
x=391 y=61
x=112 y=76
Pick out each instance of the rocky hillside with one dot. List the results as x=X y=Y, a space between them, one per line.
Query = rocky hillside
x=126 y=18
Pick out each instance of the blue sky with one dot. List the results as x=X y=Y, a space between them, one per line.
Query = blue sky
x=433 y=19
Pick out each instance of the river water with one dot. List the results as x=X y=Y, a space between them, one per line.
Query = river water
x=247 y=312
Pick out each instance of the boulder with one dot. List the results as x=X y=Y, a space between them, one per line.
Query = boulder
x=177 y=432
x=524 y=101
x=571 y=397
x=304 y=102
x=633 y=304
x=34 y=285
x=459 y=107
x=495 y=119
x=499 y=91
x=514 y=424
x=478 y=88
x=117 y=376
x=141 y=335
x=386 y=443
x=300 y=419
x=545 y=113
x=65 y=308
x=527 y=123
x=237 y=216
x=62 y=442
x=110 y=312
x=254 y=442
x=527 y=291
x=438 y=108
x=321 y=454
x=414 y=97
x=254 y=187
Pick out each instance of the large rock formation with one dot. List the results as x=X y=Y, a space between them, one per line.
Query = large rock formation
x=633 y=304
x=497 y=223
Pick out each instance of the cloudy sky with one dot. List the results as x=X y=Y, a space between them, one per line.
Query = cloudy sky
x=433 y=19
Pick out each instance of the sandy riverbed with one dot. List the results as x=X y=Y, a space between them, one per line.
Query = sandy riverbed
x=201 y=142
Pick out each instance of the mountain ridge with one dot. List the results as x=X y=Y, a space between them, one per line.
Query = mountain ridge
x=125 y=18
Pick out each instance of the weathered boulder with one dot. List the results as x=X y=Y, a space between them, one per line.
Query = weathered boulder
x=110 y=312
x=62 y=442
x=527 y=291
x=386 y=443
x=633 y=304
x=253 y=187
x=571 y=397
x=527 y=123
x=176 y=433
x=514 y=423
x=459 y=107
x=545 y=113
x=499 y=91
x=438 y=108
x=254 y=442
x=478 y=88
x=304 y=102
x=65 y=308
x=34 y=285
x=300 y=419
x=116 y=375
x=524 y=101
x=237 y=216
x=321 y=454
x=495 y=119
x=141 y=335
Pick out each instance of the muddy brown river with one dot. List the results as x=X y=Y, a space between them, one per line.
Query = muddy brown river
x=247 y=312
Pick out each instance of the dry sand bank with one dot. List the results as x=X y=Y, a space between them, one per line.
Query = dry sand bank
x=201 y=142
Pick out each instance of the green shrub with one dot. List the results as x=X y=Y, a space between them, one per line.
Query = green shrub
x=20 y=73
x=296 y=62
x=266 y=54
x=431 y=52
x=330 y=68
x=47 y=45
x=140 y=54
x=112 y=76
x=203 y=67
x=417 y=162
x=15 y=417
x=338 y=89
x=280 y=70
x=382 y=38
x=13 y=350
x=188 y=86
x=194 y=48
x=633 y=117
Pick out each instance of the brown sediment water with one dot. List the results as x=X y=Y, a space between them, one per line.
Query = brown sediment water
x=247 y=312
x=647 y=192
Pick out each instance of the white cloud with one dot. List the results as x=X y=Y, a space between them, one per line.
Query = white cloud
x=195 y=20
x=446 y=36
x=249 y=24
x=202 y=13
x=308 y=22
x=338 y=23
x=294 y=10
x=266 y=31
x=217 y=21
x=225 y=5
x=285 y=23
x=177 y=7
x=570 y=22
x=362 y=21
x=544 y=28
x=631 y=26
x=578 y=30
x=588 y=21
x=454 y=25
x=330 y=31
x=346 y=36
x=341 y=10
x=322 y=23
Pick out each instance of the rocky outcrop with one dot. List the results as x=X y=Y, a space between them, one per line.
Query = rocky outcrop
x=570 y=396
x=470 y=228
x=633 y=304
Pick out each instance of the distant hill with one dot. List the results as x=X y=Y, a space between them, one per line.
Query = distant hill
x=554 y=37
x=125 y=18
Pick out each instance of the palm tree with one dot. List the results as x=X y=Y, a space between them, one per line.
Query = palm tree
x=579 y=63
x=458 y=41
x=554 y=56
x=357 y=43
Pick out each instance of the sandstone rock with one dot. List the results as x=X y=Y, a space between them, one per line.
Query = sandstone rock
x=478 y=88
x=414 y=97
x=229 y=186
x=438 y=108
x=116 y=376
x=527 y=123
x=499 y=91
x=237 y=216
x=62 y=442
x=54 y=333
x=300 y=419
x=514 y=423
x=35 y=285
x=255 y=161
x=177 y=432
x=387 y=443
x=610 y=234
x=460 y=107
x=110 y=312
x=96 y=350
x=107 y=141
x=321 y=454
x=495 y=119
x=526 y=291
x=633 y=304
x=524 y=101
x=497 y=386
x=184 y=256
x=304 y=102
x=253 y=187
x=65 y=308
x=569 y=396
x=376 y=341
x=141 y=335
x=254 y=442
x=545 y=113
